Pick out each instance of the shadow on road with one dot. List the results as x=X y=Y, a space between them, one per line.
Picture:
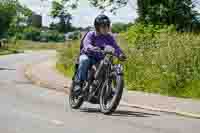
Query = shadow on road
x=6 y=69
x=121 y=113
x=125 y=113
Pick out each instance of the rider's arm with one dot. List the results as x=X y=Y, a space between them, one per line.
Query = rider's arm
x=87 y=42
x=118 y=50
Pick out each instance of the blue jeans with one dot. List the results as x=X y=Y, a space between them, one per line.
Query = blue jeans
x=85 y=63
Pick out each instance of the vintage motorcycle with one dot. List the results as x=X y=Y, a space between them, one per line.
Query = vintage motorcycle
x=104 y=85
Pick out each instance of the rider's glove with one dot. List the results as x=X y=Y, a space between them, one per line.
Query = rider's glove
x=96 y=49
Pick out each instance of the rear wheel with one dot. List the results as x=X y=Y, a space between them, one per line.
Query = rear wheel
x=110 y=95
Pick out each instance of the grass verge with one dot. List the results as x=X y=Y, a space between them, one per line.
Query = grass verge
x=170 y=68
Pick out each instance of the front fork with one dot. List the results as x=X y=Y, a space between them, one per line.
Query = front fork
x=118 y=68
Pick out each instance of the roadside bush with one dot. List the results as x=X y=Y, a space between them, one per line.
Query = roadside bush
x=32 y=33
x=120 y=27
x=66 y=57
x=55 y=36
x=60 y=38
x=144 y=36
x=75 y=35
x=163 y=61
x=36 y=34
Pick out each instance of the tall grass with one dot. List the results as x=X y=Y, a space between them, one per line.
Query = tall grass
x=67 y=56
x=162 y=61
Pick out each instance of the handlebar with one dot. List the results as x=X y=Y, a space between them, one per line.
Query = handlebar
x=109 y=50
x=104 y=52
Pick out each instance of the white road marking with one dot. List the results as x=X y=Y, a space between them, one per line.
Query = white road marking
x=57 y=122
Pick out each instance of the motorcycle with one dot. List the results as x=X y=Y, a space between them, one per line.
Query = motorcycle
x=104 y=85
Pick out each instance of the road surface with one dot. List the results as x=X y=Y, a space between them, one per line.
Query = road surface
x=26 y=108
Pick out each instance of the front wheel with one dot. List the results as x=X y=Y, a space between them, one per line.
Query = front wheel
x=75 y=101
x=111 y=94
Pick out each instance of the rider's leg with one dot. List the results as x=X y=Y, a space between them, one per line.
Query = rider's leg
x=84 y=63
x=92 y=69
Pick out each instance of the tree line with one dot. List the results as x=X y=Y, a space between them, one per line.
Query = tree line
x=180 y=13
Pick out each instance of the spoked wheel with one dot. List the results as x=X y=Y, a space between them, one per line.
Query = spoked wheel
x=75 y=101
x=110 y=95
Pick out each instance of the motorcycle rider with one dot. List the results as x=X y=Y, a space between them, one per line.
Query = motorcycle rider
x=90 y=46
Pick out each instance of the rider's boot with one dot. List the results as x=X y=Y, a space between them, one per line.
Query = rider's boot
x=78 y=87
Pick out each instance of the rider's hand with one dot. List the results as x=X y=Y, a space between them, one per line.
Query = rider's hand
x=96 y=49
x=122 y=57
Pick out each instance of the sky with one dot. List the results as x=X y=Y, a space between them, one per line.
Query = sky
x=197 y=4
x=85 y=14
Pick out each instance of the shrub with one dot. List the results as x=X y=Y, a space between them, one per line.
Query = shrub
x=36 y=34
x=163 y=61
x=67 y=56
x=75 y=35
x=32 y=33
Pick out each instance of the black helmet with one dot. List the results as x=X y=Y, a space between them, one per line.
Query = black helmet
x=101 y=20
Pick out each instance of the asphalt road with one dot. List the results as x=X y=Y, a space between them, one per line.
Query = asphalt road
x=26 y=108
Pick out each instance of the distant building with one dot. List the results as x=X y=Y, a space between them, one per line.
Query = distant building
x=36 y=20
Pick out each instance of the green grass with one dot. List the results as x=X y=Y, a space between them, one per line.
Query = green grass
x=169 y=65
x=5 y=52
x=66 y=57
x=171 y=68
x=22 y=45
x=67 y=72
x=31 y=45
x=9 y=51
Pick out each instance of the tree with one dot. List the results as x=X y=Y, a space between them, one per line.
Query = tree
x=120 y=27
x=178 y=12
x=12 y=16
x=60 y=10
x=7 y=13
x=181 y=13
x=20 y=20
x=110 y=5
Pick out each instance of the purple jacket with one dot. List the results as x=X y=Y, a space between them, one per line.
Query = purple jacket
x=92 y=39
